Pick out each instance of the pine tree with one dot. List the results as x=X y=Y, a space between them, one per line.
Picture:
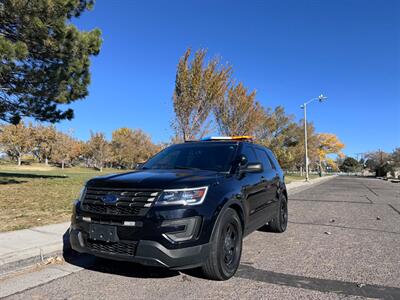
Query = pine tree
x=44 y=59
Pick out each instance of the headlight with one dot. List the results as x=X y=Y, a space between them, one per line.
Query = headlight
x=190 y=196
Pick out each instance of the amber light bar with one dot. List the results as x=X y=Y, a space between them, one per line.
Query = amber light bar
x=228 y=138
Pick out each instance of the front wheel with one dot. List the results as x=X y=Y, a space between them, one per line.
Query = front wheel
x=226 y=247
x=279 y=223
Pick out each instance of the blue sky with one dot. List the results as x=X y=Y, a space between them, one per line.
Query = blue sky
x=289 y=51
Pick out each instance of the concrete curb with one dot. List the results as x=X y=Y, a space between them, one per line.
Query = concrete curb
x=22 y=248
x=25 y=247
x=21 y=264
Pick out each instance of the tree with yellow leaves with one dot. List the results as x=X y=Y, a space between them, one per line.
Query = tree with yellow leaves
x=97 y=150
x=65 y=149
x=44 y=139
x=129 y=147
x=198 y=87
x=328 y=143
x=238 y=113
x=278 y=132
x=16 y=140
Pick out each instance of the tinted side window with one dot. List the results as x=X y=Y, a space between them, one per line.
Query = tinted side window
x=262 y=155
x=248 y=151
x=274 y=160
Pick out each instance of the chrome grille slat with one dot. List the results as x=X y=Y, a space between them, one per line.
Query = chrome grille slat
x=121 y=198
x=118 y=204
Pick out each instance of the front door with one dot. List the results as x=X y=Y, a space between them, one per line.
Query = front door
x=254 y=185
x=270 y=183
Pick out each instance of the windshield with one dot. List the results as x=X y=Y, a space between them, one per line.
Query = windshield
x=207 y=156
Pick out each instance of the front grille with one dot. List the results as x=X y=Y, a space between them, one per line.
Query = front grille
x=125 y=248
x=129 y=202
x=111 y=209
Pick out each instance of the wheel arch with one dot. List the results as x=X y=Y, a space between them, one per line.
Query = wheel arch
x=285 y=193
x=237 y=207
x=239 y=210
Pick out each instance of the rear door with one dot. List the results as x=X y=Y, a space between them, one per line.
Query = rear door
x=280 y=175
x=270 y=178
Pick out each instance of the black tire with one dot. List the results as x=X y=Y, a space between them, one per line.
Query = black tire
x=279 y=223
x=226 y=247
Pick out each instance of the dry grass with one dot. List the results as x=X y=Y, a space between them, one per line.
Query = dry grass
x=31 y=196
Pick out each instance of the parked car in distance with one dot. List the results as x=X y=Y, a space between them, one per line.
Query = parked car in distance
x=189 y=206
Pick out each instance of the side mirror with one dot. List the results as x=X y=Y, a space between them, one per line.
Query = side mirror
x=251 y=168
x=139 y=166
x=242 y=159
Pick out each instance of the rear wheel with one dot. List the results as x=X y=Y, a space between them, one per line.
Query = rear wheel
x=279 y=223
x=226 y=247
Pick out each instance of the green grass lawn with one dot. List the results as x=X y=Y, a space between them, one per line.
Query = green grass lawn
x=291 y=178
x=37 y=195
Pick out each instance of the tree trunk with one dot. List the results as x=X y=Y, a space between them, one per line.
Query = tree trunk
x=46 y=161
x=301 y=171
x=320 y=168
x=19 y=160
x=62 y=164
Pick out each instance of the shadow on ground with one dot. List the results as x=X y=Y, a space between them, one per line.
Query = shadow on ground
x=344 y=227
x=245 y=271
x=318 y=284
x=121 y=268
x=9 y=178
x=11 y=181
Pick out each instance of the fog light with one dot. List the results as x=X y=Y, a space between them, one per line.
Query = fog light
x=181 y=229
x=87 y=219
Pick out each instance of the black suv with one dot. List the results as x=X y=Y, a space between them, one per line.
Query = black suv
x=188 y=206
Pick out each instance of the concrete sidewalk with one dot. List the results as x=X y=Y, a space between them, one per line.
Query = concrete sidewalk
x=29 y=246
x=25 y=247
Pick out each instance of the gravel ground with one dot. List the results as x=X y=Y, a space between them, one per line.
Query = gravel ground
x=343 y=241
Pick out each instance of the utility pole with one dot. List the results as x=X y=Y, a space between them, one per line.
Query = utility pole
x=320 y=98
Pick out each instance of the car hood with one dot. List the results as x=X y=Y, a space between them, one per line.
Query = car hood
x=157 y=179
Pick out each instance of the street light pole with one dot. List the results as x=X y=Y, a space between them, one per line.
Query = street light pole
x=320 y=98
x=305 y=140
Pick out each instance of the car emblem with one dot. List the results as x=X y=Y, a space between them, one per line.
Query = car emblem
x=109 y=198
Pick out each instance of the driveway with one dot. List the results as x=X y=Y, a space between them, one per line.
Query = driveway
x=343 y=241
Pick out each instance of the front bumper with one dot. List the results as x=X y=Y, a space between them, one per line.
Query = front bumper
x=146 y=252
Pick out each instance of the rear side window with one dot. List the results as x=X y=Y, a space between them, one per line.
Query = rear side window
x=248 y=151
x=263 y=157
x=274 y=160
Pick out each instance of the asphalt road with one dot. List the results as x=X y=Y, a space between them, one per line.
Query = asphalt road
x=343 y=241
